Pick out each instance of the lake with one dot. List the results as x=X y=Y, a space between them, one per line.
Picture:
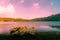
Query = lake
x=41 y=26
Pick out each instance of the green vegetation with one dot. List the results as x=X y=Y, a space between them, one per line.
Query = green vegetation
x=21 y=31
x=49 y=18
x=15 y=34
x=37 y=36
x=13 y=20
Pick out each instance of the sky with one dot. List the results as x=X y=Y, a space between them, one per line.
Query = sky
x=29 y=9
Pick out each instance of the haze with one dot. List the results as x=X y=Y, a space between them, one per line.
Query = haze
x=29 y=9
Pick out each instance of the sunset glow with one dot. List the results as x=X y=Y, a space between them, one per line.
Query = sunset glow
x=28 y=9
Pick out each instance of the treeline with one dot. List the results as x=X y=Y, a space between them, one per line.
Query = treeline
x=12 y=20
x=49 y=18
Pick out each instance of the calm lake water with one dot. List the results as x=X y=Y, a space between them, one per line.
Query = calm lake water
x=41 y=26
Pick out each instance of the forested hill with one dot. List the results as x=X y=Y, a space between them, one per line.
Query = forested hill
x=49 y=18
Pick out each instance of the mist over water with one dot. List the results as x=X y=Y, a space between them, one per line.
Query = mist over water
x=40 y=26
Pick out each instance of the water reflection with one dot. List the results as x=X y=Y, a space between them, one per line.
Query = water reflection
x=6 y=26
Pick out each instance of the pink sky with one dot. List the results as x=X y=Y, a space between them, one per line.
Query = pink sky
x=20 y=9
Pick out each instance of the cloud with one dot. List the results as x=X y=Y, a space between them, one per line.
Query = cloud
x=7 y=11
x=52 y=3
x=34 y=10
x=22 y=1
x=4 y=2
x=2 y=9
x=28 y=9
x=10 y=9
x=35 y=5
x=30 y=13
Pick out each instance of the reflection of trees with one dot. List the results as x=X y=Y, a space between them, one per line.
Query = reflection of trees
x=6 y=20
